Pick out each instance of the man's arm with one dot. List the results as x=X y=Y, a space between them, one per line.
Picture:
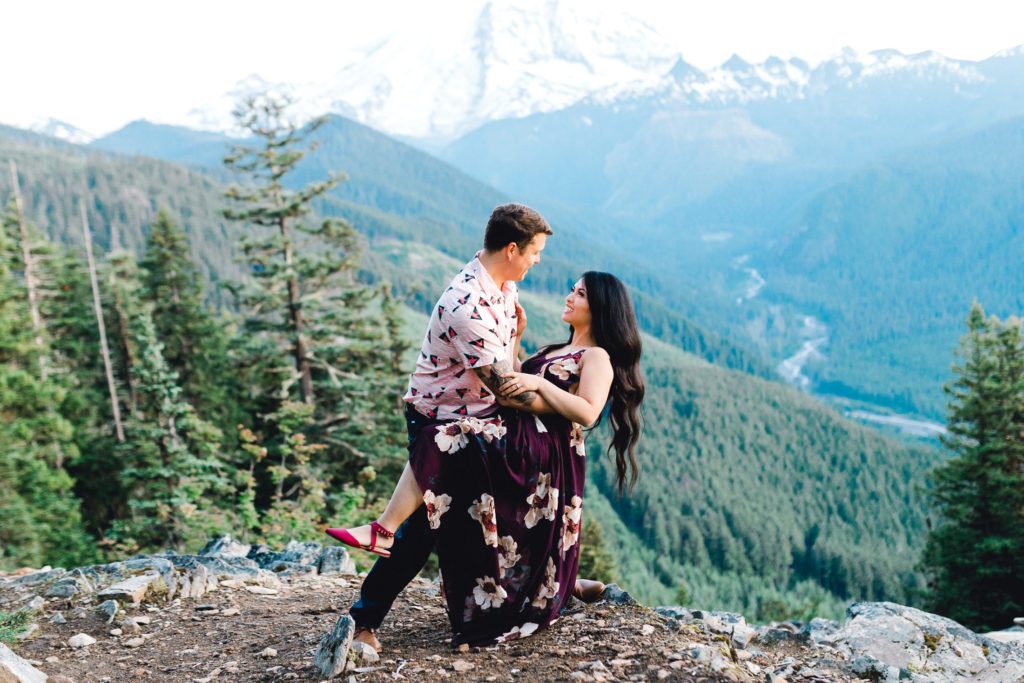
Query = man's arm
x=491 y=376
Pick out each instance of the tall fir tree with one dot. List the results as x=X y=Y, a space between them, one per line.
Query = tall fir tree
x=975 y=553
x=41 y=519
x=195 y=343
x=312 y=333
x=172 y=473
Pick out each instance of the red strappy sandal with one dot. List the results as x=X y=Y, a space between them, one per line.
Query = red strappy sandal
x=347 y=538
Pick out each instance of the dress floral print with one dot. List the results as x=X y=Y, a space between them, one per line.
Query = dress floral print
x=504 y=497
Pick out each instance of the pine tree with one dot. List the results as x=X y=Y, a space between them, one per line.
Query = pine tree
x=195 y=344
x=312 y=333
x=172 y=471
x=596 y=560
x=975 y=553
x=40 y=514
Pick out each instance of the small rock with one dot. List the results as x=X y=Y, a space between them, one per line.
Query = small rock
x=615 y=595
x=116 y=632
x=332 y=653
x=29 y=632
x=205 y=608
x=108 y=609
x=233 y=583
x=133 y=590
x=701 y=653
x=663 y=674
x=81 y=640
x=143 y=619
x=226 y=546
x=78 y=613
x=646 y=629
x=261 y=590
x=209 y=677
x=35 y=604
x=59 y=678
x=1019 y=621
x=58 y=619
x=268 y=653
x=464 y=648
x=363 y=653
x=135 y=642
x=52 y=660
x=231 y=667
x=231 y=612
x=461 y=665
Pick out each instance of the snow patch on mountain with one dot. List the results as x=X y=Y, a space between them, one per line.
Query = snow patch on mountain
x=58 y=129
x=510 y=59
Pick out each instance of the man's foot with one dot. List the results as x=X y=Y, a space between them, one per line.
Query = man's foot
x=367 y=636
x=372 y=537
x=587 y=590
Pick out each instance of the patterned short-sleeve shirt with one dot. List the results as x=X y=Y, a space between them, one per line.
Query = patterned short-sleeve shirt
x=473 y=325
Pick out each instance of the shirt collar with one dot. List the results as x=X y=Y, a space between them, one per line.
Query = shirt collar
x=487 y=283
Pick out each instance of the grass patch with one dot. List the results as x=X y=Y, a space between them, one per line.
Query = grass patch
x=11 y=624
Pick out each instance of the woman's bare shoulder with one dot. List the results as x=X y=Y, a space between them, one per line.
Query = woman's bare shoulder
x=596 y=354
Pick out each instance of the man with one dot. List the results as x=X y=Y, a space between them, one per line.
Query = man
x=471 y=340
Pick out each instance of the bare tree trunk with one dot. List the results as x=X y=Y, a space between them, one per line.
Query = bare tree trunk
x=299 y=350
x=98 y=308
x=31 y=279
x=124 y=338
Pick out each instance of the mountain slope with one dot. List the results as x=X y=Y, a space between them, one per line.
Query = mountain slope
x=397 y=191
x=892 y=257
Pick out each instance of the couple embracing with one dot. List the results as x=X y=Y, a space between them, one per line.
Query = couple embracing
x=496 y=447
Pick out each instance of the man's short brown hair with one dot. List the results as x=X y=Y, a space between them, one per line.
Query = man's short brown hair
x=513 y=223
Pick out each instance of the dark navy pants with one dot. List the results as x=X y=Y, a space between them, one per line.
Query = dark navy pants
x=413 y=543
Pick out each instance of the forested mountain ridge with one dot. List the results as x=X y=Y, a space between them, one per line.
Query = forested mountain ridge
x=694 y=518
x=892 y=257
x=397 y=191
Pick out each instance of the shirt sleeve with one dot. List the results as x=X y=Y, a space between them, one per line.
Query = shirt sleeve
x=476 y=337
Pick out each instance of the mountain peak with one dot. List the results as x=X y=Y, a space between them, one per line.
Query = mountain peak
x=736 y=63
x=61 y=130
x=510 y=59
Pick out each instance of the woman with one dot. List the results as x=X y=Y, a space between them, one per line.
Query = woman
x=505 y=492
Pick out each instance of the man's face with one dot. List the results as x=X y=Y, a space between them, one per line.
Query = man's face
x=523 y=259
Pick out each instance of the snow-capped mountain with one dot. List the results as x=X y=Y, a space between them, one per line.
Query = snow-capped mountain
x=737 y=82
x=510 y=59
x=58 y=129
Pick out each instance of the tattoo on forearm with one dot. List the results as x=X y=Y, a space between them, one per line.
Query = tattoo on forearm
x=490 y=375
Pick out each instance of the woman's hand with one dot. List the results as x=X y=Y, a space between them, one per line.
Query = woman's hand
x=516 y=383
x=520 y=319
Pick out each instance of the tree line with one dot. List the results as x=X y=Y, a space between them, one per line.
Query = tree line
x=137 y=418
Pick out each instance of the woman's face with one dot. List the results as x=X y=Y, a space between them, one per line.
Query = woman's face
x=577 y=306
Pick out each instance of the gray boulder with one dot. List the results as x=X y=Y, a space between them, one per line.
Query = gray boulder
x=16 y=670
x=889 y=642
x=295 y=558
x=335 y=560
x=225 y=546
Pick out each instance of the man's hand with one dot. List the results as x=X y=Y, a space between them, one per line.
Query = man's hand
x=493 y=377
x=520 y=319
x=518 y=383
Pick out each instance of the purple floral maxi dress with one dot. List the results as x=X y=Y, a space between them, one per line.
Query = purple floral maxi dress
x=504 y=496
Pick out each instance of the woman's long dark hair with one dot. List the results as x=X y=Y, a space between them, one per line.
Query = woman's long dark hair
x=613 y=327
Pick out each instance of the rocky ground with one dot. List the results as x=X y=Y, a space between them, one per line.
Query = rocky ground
x=238 y=613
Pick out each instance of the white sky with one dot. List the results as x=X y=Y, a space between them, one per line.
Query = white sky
x=101 y=64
